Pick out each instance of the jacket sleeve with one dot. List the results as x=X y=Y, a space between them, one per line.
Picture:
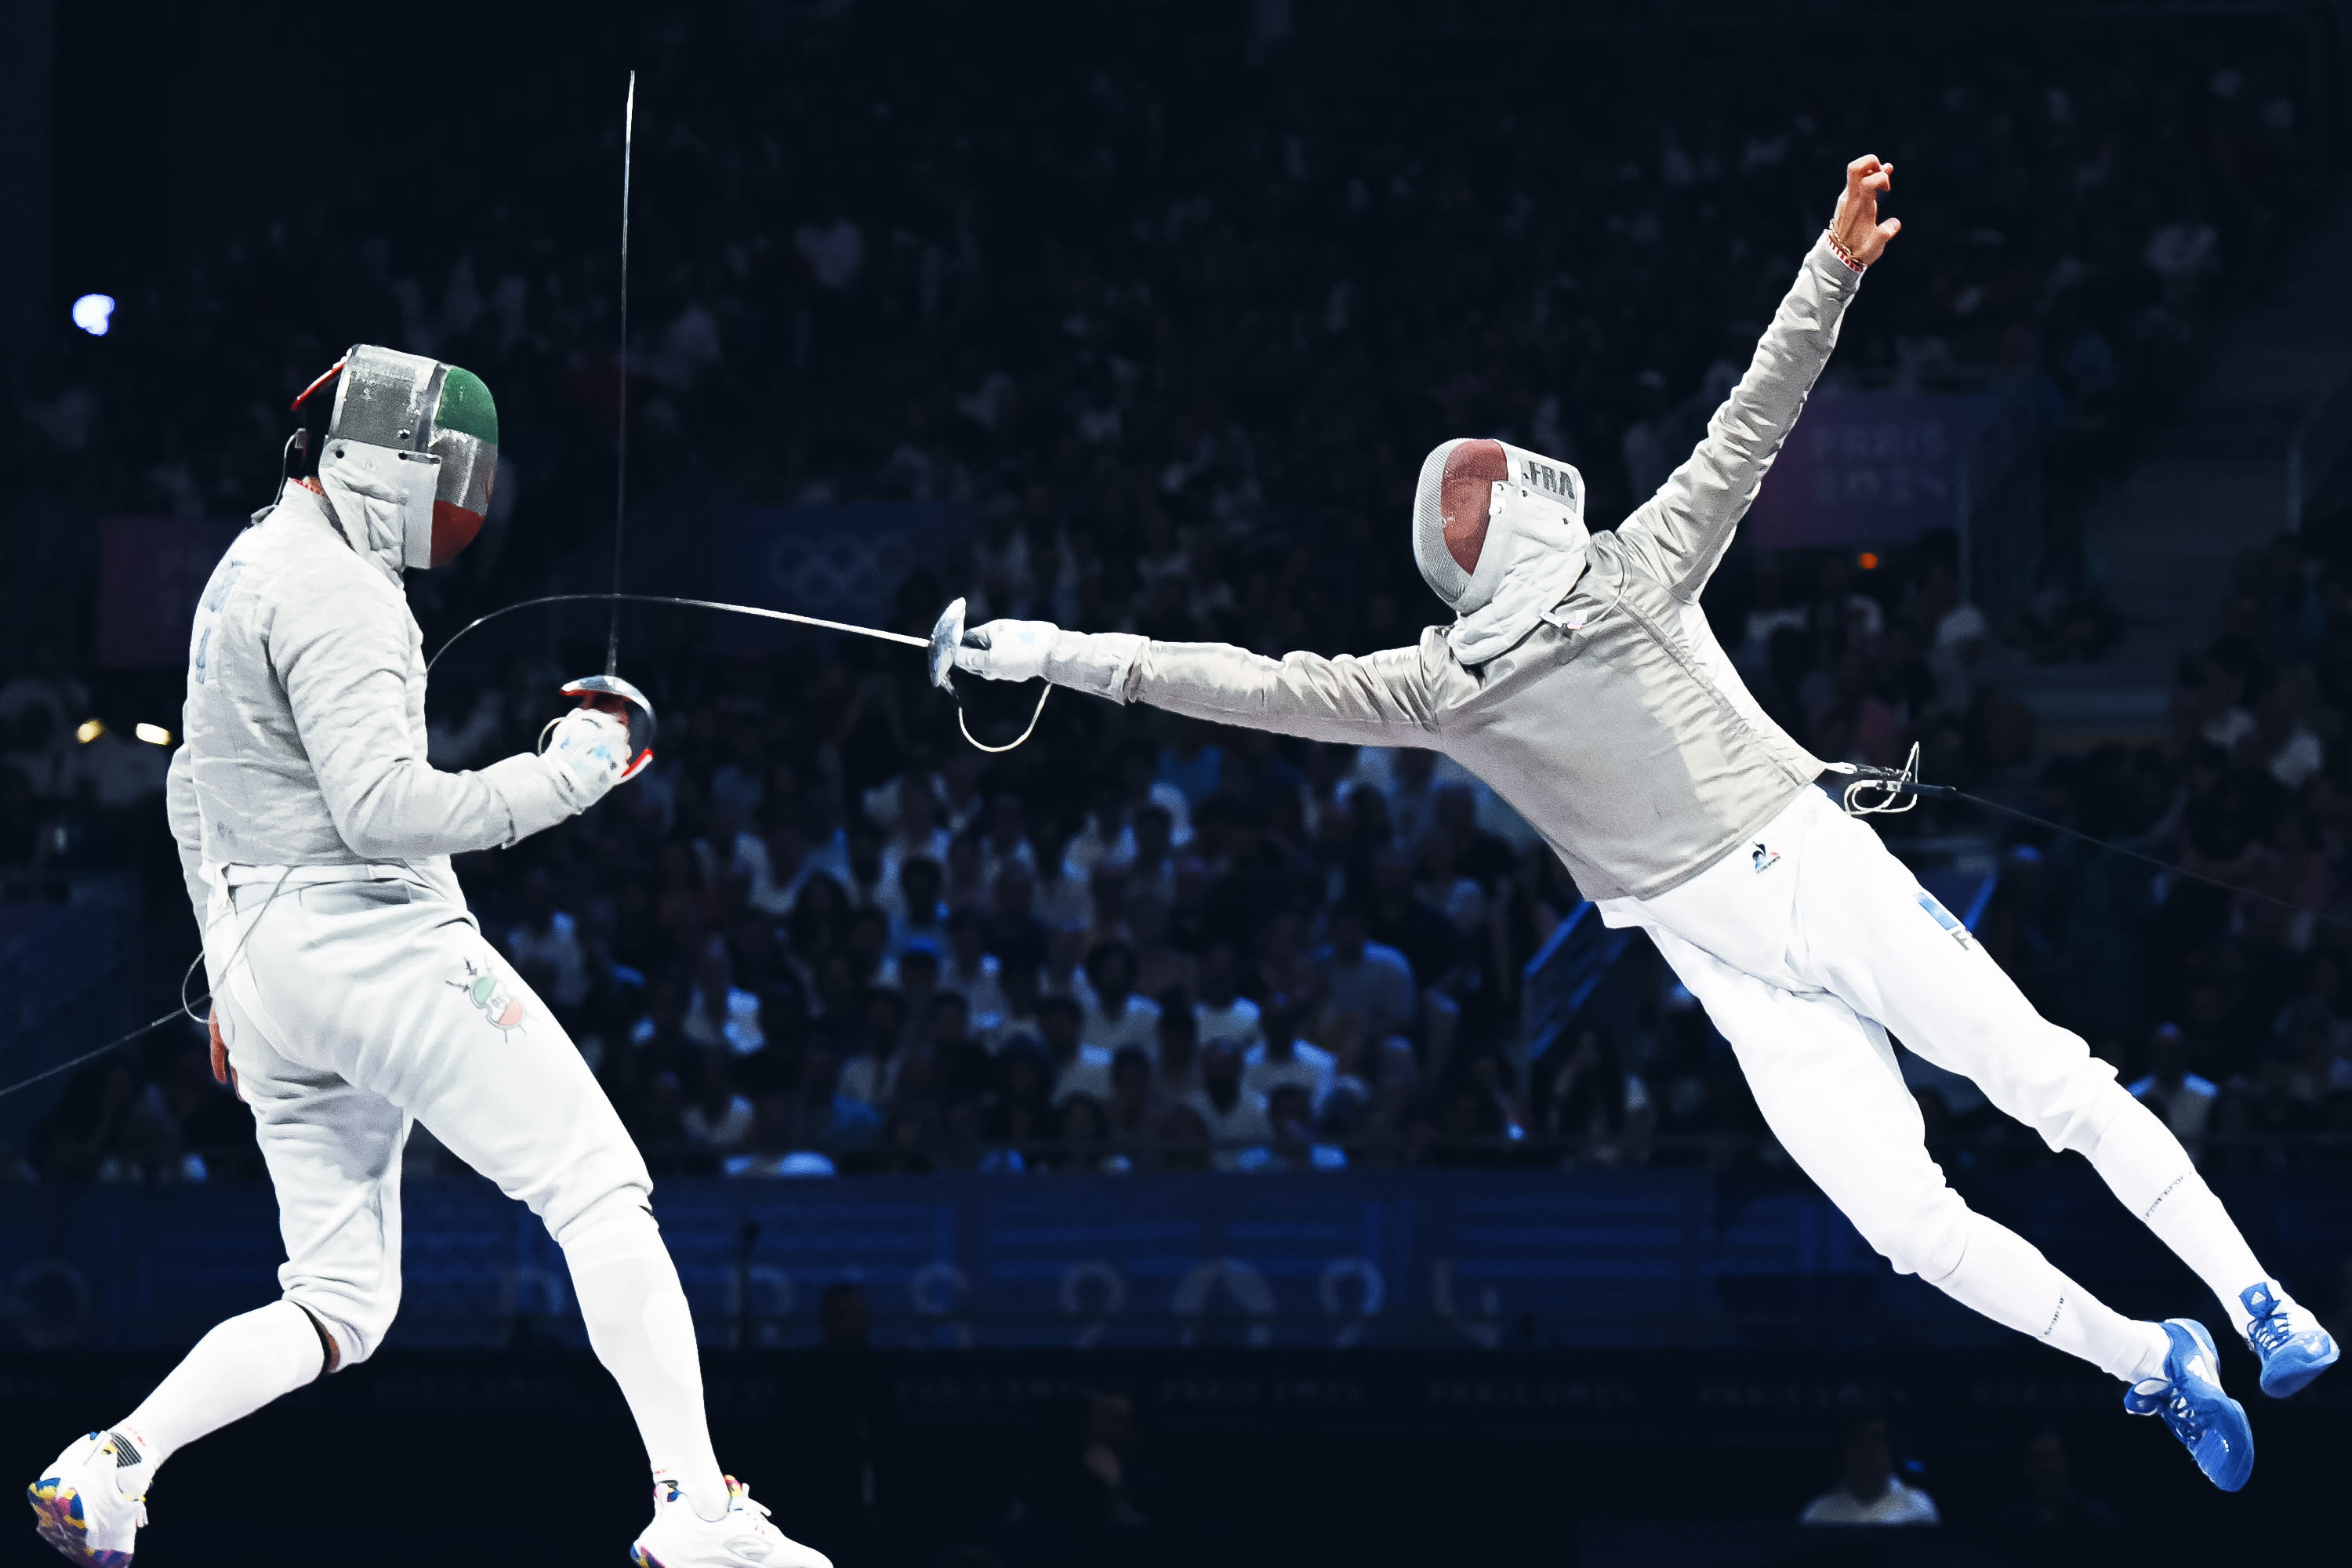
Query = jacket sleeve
x=342 y=653
x=1680 y=534
x=187 y=827
x=1379 y=699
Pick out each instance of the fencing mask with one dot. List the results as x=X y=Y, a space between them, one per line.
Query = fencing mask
x=1499 y=533
x=415 y=442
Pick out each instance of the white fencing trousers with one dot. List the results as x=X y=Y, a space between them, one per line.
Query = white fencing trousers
x=1806 y=946
x=354 y=998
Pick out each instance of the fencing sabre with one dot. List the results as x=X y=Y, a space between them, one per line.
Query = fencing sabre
x=610 y=693
x=946 y=634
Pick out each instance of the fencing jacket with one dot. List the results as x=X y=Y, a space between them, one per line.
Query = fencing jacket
x=1617 y=727
x=304 y=724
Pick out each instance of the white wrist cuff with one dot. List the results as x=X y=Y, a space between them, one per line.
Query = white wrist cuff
x=1094 y=662
x=533 y=789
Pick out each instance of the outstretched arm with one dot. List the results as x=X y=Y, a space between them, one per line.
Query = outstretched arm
x=1680 y=532
x=1380 y=699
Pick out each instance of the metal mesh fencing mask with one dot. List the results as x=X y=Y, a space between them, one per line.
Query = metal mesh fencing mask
x=1499 y=533
x=411 y=409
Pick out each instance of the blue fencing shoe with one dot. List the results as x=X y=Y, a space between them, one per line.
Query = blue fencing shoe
x=2210 y=1423
x=2293 y=1347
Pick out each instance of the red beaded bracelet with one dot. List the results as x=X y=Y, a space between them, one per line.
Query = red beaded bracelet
x=1843 y=253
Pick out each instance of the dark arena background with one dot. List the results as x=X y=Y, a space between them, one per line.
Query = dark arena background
x=1141 y=317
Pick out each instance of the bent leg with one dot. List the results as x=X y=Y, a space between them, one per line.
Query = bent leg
x=243 y=1363
x=333 y=1151
x=1870 y=935
x=1827 y=1083
x=433 y=1019
x=333 y=1156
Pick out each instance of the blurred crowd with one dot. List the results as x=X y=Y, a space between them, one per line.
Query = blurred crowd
x=1170 y=340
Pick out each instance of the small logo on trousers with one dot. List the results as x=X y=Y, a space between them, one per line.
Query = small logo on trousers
x=1765 y=859
x=485 y=990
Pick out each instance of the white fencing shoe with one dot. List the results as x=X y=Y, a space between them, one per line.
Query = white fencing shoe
x=82 y=1510
x=739 y=1538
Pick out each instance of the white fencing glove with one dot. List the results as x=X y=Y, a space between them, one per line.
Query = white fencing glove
x=587 y=755
x=1022 y=650
x=1007 y=651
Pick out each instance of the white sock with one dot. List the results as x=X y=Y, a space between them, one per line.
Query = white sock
x=2005 y=1278
x=240 y=1366
x=2145 y=1166
x=641 y=1329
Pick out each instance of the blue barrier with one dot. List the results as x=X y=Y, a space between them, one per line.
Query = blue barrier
x=1427 y=1258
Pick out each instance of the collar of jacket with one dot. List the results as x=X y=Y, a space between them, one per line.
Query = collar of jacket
x=1533 y=554
x=383 y=500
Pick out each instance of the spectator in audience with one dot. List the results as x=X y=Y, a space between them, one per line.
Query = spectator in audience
x=1281 y=1057
x=2051 y=1505
x=1365 y=979
x=1016 y=937
x=2182 y=1099
x=1867 y=1491
x=921 y=918
x=824 y=1118
x=1162 y=968
x=1117 y=1020
x=1080 y=1068
x=1222 y=1014
x=1087 y=1140
x=871 y=1077
x=544 y=947
x=1235 y=1118
x=972 y=973
x=1133 y=1104
x=1291 y=1144
x=1588 y=1106
x=716 y=1119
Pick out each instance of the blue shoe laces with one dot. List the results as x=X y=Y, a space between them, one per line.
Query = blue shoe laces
x=2181 y=1417
x=2270 y=1332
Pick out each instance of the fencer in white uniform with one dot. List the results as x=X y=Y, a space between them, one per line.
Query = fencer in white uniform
x=353 y=994
x=1581 y=680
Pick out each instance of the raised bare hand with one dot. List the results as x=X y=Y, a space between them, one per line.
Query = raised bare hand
x=1856 y=224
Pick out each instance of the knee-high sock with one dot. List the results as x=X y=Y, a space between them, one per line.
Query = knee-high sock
x=2005 y=1278
x=641 y=1329
x=240 y=1366
x=2145 y=1166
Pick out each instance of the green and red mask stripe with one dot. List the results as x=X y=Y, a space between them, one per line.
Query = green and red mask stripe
x=466 y=439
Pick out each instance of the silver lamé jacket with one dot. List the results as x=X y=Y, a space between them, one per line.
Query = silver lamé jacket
x=305 y=714
x=1618 y=726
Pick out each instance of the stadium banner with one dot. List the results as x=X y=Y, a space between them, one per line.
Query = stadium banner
x=1872 y=469
x=1432 y=1258
x=842 y=560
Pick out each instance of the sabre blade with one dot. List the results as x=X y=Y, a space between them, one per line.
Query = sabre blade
x=621 y=462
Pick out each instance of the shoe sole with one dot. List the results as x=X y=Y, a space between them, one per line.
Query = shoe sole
x=59 y=1509
x=2297 y=1379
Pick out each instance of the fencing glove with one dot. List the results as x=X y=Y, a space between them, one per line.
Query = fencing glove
x=1095 y=662
x=587 y=755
